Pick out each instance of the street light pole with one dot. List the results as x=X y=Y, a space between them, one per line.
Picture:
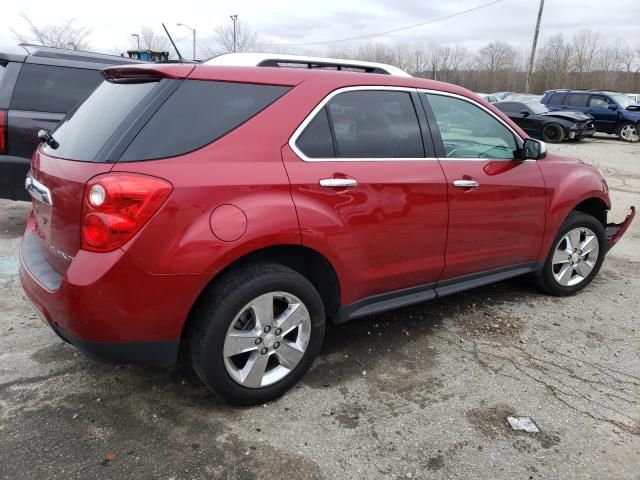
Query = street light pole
x=527 y=82
x=234 y=18
x=193 y=30
x=137 y=38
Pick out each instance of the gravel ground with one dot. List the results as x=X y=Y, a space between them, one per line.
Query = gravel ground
x=421 y=392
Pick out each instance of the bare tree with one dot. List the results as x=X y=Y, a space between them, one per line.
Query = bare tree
x=246 y=39
x=61 y=35
x=150 y=40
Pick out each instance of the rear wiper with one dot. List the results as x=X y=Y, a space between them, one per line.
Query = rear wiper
x=46 y=137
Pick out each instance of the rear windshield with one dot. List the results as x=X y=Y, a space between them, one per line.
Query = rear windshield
x=85 y=130
x=197 y=113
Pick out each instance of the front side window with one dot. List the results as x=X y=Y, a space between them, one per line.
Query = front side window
x=468 y=131
x=598 y=101
x=45 y=88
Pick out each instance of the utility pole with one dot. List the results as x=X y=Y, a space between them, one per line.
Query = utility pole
x=137 y=38
x=234 y=18
x=193 y=30
x=527 y=82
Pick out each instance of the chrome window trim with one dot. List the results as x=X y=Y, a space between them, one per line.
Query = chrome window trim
x=298 y=131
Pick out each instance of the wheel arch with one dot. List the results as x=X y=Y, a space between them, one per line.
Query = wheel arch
x=304 y=260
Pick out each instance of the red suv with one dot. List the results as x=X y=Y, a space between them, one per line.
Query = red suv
x=235 y=210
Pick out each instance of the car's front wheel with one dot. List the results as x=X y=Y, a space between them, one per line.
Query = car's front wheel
x=255 y=333
x=553 y=133
x=575 y=257
x=628 y=132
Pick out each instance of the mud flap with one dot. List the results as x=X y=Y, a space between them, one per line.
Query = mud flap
x=616 y=230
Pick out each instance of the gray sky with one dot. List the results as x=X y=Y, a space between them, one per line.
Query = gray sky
x=293 y=21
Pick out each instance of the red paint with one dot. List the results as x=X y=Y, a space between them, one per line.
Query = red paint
x=403 y=225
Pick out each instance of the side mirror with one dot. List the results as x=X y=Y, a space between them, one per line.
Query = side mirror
x=534 y=149
x=524 y=113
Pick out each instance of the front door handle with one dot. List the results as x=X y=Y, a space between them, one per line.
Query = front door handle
x=466 y=183
x=338 y=182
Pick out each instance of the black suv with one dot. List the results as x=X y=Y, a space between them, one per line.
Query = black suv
x=38 y=86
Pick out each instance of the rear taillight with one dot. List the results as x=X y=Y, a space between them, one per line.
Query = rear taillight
x=116 y=205
x=3 y=131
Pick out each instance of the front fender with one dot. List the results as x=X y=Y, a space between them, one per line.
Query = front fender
x=569 y=183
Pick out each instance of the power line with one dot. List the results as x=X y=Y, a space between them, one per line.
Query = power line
x=371 y=35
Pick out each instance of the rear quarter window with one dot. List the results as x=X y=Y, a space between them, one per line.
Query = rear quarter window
x=198 y=113
x=44 y=88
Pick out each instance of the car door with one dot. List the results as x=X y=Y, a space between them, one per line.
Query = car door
x=604 y=112
x=496 y=202
x=368 y=191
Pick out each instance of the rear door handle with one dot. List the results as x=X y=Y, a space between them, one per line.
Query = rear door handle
x=466 y=183
x=338 y=182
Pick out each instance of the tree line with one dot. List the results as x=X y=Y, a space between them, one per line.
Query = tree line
x=585 y=59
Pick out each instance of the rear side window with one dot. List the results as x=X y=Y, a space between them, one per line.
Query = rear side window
x=86 y=130
x=44 y=88
x=375 y=124
x=316 y=141
x=556 y=99
x=198 y=113
x=577 y=100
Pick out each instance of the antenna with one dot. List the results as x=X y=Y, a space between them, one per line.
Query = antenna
x=172 y=42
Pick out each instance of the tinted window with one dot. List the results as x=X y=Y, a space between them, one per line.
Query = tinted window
x=198 y=113
x=43 y=88
x=509 y=107
x=375 y=124
x=598 y=101
x=468 y=131
x=577 y=100
x=556 y=99
x=85 y=131
x=315 y=141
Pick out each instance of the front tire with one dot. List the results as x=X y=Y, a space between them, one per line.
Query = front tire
x=628 y=132
x=576 y=255
x=553 y=133
x=255 y=333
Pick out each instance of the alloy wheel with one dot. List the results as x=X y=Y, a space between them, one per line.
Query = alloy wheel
x=629 y=133
x=267 y=339
x=575 y=256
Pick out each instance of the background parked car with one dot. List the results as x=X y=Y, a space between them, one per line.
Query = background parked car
x=523 y=97
x=502 y=95
x=553 y=127
x=489 y=97
x=614 y=113
x=38 y=86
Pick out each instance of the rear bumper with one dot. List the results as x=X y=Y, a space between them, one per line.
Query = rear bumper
x=108 y=306
x=616 y=230
x=13 y=171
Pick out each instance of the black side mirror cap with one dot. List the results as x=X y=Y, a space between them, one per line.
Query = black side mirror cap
x=524 y=113
x=533 y=149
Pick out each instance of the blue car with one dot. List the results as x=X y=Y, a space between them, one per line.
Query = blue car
x=614 y=113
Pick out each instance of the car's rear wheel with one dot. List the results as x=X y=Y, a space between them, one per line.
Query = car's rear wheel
x=628 y=132
x=553 y=133
x=255 y=333
x=575 y=257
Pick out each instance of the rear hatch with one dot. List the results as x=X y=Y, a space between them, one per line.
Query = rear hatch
x=85 y=144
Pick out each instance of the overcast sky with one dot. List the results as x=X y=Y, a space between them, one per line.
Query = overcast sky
x=295 y=21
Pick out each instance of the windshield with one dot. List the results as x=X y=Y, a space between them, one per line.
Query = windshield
x=87 y=128
x=622 y=100
x=537 y=108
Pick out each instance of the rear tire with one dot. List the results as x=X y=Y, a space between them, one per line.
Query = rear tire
x=248 y=305
x=628 y=132
x=553 y=133
x=569 y=268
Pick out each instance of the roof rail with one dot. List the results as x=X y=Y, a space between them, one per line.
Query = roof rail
x=301 y=61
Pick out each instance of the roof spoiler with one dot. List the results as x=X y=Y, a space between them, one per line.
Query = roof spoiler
x=142 y=74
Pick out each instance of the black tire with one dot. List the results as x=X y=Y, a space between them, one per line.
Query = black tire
x=545 y=279
x=220 y=304
x=553 y=133
x=622 y=135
